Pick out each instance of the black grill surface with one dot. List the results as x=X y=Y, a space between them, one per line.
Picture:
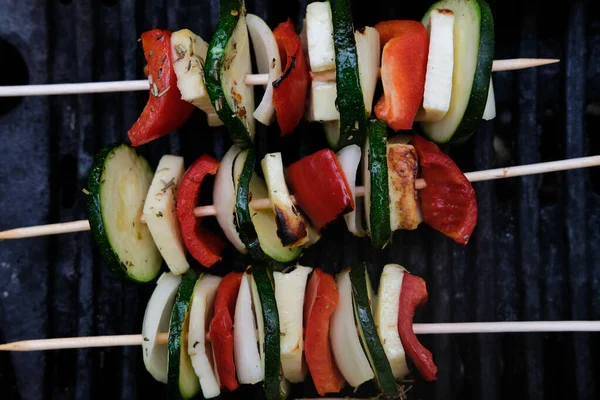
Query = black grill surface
x=532 y=256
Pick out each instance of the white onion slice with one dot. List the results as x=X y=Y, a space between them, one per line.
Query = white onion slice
x=267 y=61
x=248 y=364
x=224 y=198
x=347 y=350
x=349 y=158
x=156 y=320
x=289 y=295
x=199 y=349
x=490 y=106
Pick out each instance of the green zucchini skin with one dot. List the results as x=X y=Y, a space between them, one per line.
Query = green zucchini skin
x=350 y=101
x=375 y=352
x=94 y=210
x=231 y=11
x=179 y=316
x=483 y=72
x=266 y=292
x=381 y=231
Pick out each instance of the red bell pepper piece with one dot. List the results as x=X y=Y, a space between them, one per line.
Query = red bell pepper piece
x=202 y=244
x=221 y=329
x=448 y=202
x=320 y=187
x=403 y=69
x=321 y=300
x=165 y=111
x=414 y=294
x=290 y=90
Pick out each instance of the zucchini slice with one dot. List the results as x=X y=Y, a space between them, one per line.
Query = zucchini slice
x=386 y=318
x=368 y=332
x=224 y=198
x=160 y=210
x=403 y=165
x=227 y=64
x=289 y=293
x=189 y=53
x=350 y=101
x=248 y=364
x=156 y=320
x=347 y=351
x=268 y=61
x=270 y=319
x=473 y=57
x=199 y=350
x=257 y=228
x=118 y=183
x=182 y=380
x=291 y=225
x=375 y=180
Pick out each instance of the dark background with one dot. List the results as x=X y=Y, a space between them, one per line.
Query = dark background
x=532 y=257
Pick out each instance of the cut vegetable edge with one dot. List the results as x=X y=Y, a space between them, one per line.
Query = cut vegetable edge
x=349 y=158
x=232 y=99
x=126 y=245
x=199 y=349
x=473 y=58
x=368 y=332
x=268 y=61
x=160 y=210
x=224 y=195
x=156 y=320
x=346 y=347
x=182 y=380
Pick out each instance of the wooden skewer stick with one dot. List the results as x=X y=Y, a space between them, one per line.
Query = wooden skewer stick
x=255 y=79
x=261 y=204
x=421 y=329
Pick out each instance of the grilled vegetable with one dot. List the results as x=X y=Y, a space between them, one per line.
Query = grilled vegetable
x=221 y=329
x=349 y=158
x=258 y=228
x=473 y=57
x=368 y=332
x=320 y=187
x=224 y=198
x=199 y=350
x=290 y=90
x=403 y=68
x=182 y=380
x=188 y=52
x=319 y=35
x=268 y=62
x=270 y=318
x=156 y=320
x=202 y=244
x=386 y=318
x=413 y=295
x=227 y=64
x=348 y=352
x=350 y=101
x=248 y=362
x=320 y=302
x=118 y=183
x=375 y=180
x=289 y=293
x=448 y=202
x=402 y=165
x=440 y=65
x=165 y=111
x=291 y=226
x=490 y=106
x=160 y=210
x=369 y=58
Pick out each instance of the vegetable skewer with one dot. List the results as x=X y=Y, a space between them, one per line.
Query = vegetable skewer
x=421 y=329
x=254 y=80
x=476 y=176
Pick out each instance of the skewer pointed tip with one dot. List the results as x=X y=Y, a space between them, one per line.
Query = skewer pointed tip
x=521 y=63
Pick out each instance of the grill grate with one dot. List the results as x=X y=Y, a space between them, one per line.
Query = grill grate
x=532 y=255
